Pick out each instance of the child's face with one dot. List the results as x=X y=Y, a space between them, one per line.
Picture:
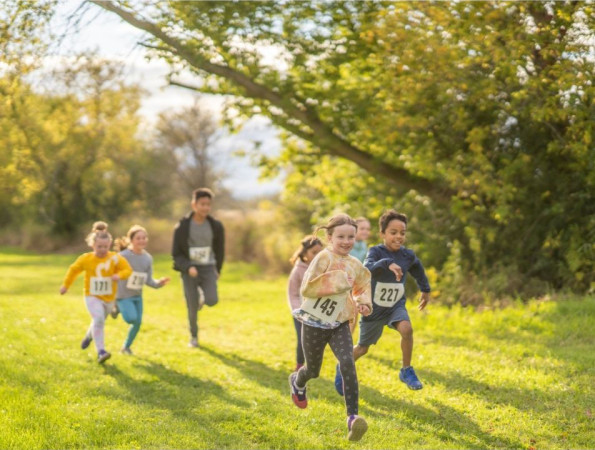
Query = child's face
x=342 y=239
x=139 y=240
x=312 y=252
x=202 y=206
x=101 y=247
x=394 y=235
x=363 y=231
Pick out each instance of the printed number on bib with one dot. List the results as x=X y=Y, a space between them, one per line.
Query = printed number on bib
x=387 y=294
x=200 y=254
x=136 y=281
x=101 y=286
x=325 y=308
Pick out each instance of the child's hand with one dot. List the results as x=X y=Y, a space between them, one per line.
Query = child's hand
x=115 y=277
x=364 y=310
x=63 y=290
x=396 y=269
x=163 y=281
x=193 y=272
x=423 y=300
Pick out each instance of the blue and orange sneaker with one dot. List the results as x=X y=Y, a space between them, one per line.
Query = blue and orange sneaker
x=298 y=395
x=407 y=375
x=338 y=381
x=357 y=427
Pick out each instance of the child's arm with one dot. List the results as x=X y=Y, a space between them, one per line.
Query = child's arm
x=123 y=269
x=319 y=281
x=418 y=272
x=73 y=271
x=375 y=263
x=155 y=284
x=293 y=289
x=362 y=291
x=179 y=252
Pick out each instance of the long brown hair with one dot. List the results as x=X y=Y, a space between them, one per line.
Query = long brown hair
x=123 y=242
x=307 y=243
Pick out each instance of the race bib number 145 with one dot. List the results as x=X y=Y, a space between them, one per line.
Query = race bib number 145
x=387 y=294
x=325 y=308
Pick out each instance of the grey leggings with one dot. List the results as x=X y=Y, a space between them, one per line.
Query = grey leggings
x=314 y=341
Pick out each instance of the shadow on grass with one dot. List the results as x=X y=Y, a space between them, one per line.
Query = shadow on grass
x=458 y=429
x=186 y=397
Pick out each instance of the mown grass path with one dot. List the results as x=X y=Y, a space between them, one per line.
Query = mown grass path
x=522 y=377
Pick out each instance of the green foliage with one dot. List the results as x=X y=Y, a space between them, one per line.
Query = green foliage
x=517 y=377
x=474 y=116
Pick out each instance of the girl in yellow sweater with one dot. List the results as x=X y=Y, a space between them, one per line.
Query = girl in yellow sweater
x=103 y=269
x=335 y=287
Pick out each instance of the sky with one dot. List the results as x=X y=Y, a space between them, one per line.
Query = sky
x=114 y=39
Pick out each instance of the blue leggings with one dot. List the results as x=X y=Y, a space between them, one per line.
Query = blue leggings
x=132 y=313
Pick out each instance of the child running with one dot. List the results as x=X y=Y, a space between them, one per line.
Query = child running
x=389 y=263
x=335 y=286
x=102 y=269
x=198 y=251
x=130 y=292
x=360 y=247
x=308 y=249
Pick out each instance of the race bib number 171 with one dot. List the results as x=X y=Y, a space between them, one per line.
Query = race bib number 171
x=100 y=286
x=387 y=294
x=326 y=308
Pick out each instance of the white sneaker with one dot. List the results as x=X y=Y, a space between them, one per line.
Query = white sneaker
x=193 y=343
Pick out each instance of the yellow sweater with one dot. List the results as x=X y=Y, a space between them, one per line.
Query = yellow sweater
x=330 y=273
x=96 y=268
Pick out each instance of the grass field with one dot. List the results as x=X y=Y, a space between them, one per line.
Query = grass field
x=522 y=377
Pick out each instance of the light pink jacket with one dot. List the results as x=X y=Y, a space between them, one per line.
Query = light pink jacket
x=296 y=276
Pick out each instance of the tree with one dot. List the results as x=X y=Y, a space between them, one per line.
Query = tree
x=485 y=108
x=189 y=137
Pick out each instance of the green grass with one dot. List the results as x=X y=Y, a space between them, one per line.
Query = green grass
x=522 y=377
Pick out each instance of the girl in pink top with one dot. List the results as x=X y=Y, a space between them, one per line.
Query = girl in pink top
x=308 y=249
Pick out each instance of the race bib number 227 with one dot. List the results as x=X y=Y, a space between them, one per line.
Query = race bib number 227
x=387 y=294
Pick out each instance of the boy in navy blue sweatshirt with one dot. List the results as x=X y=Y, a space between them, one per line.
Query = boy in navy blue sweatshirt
x=389 y=264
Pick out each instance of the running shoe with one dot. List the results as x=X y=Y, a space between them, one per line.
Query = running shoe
x=298 y=395
x=338 y=381
x=407 y=375
x=86 y=342
x=357 y=427
x=103 y=356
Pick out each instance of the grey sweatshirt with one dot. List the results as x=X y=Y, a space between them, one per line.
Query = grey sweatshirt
x=142 y=273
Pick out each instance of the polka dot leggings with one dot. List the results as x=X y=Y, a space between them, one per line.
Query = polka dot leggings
x=314 y=341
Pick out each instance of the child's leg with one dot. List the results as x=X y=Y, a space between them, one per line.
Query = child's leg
x=341 y=344
x=191 y=294
x=99 y=311
x=406 y=331
x=207 y=279
x=299 y=350
x=314 y=341
x=131 y=309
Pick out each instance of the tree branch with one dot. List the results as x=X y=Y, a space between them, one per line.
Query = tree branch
x=322 y=136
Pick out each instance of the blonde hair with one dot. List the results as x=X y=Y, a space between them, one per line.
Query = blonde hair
x=125 y=241
x=98 y=231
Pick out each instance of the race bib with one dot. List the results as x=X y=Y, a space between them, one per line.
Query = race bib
x=325 y=308
x=100 y=286
x=200 y=255
x=387 y=294
x=136 y=281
